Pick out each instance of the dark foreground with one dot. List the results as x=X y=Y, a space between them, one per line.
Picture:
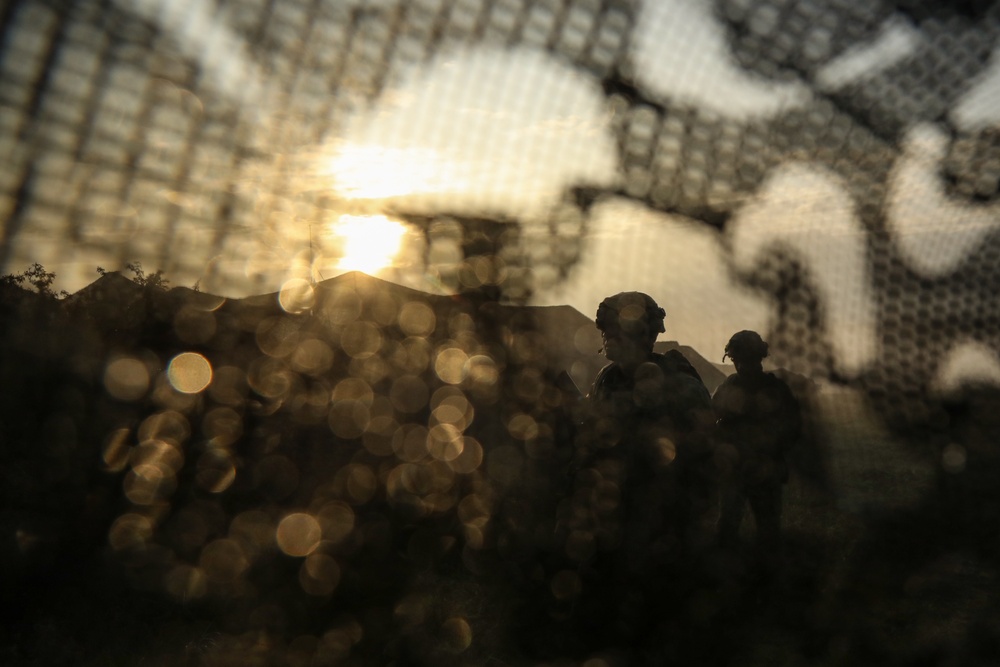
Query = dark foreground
x=378 y=481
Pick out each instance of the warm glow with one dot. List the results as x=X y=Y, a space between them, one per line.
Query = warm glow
x=381 y=172
x=189 y=372
x=370 y=242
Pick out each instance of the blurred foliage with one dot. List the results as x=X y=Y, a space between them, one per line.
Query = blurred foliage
x=356 y=473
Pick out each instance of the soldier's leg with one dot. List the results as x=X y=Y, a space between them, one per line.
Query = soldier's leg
x=733 y=506
x=765 y=502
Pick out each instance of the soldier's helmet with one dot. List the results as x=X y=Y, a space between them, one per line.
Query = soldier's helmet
x=746 y=346
x=632 y=314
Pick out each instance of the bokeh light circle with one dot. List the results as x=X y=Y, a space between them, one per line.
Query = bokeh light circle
x=189 y=373
x=319 y=574
x=457 y=634
x=298 y=534
x=126 y=379
x=296 y=295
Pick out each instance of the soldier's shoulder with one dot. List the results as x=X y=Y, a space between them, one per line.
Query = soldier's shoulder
x=688 y=387
x=606 y=372
x=727 y=384
x=672 y=361
x=605 y=376
x=774 y=380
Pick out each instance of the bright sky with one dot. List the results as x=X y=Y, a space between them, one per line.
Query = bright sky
x=515 y=154
x=505 y=131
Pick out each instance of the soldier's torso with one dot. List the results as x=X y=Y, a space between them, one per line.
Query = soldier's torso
x=649 y=410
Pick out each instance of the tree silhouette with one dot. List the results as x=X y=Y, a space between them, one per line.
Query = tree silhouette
x=36 y=276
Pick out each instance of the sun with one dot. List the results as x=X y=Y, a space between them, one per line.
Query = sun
x=369 y=243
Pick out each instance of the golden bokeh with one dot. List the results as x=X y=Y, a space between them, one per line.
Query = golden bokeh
x=126 y=378
x=215 y=470
x=222 y=425
x=474 y=510
x=417 y=319
x=148 y=484
x=129 y=531
x=270 y=378
x=160 y=453
x=277 y=336
x=449 y=405
x=353 y=389
x=362 y=484
x=445 y=442
x=166 y=425
x=409 y=442
x=360 y=340
x=312 y=357
x=296 y=295
x=482 y=372
x=666 y=450
x=451 y=364
x=523 y=427
x=470 y=458
x=223 y=561
x=298 y=534
x=341 y=306
x=189 y=372
x=319 y=574
x=115 y=453
x=348 y=419
x=344 y=445
x=336 y=520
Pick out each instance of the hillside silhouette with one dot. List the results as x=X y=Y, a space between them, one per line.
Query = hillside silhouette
x=567 y=340
x=346 y=439
x=355 y=472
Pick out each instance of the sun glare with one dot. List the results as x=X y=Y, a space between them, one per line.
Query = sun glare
x=369 y=242
x=381 y=172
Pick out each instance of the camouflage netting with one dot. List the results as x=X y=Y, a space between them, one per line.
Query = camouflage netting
x=344 y=472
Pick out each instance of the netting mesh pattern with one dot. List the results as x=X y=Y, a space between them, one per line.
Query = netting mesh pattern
x=190 y=133
x=115 y=108
x=159 y=130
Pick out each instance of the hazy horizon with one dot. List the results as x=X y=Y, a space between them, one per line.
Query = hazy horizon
x=483 y=128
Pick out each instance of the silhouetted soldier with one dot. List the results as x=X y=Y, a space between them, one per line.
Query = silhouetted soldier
x=758 y=420
x=641 y=485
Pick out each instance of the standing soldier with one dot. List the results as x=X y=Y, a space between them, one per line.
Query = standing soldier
x=641 y=491
x=758 y=420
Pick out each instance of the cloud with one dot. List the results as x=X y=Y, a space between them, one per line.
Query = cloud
x=681 y=52
x=979 y=107
x=806 y=209
x=966 y=363
x=222 y=55
x=933 y=233
x=677 y=261
x=477 y=119
x=897 y=40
